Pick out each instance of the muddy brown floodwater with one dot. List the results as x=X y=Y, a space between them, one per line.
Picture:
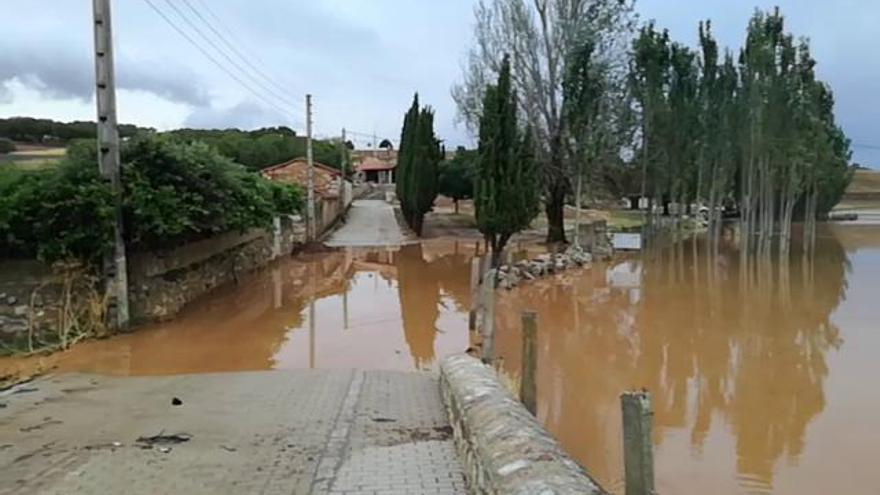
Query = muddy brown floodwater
x=762 y=379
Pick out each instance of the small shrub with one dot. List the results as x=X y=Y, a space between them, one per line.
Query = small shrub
x=6 y=145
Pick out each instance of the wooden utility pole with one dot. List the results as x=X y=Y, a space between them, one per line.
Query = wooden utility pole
x=310 y=207
x=638 y=449
x=115 y=265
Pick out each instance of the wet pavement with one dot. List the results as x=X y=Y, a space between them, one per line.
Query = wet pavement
x=301 y=432
x=369 y=222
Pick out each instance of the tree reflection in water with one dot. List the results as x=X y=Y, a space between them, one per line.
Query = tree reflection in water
x=711 y=338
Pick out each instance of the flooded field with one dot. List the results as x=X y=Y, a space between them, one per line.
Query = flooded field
x=761 y=383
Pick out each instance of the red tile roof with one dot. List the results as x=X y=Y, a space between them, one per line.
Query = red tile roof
x=296 y=172
x=370 y=164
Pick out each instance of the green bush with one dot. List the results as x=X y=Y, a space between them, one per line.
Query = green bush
x=455 y=178
x=55 y=214
x=6 y=145
x=173 y=193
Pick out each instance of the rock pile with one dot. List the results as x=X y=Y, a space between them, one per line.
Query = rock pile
x=509 y=276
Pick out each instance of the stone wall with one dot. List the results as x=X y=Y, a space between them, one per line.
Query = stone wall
x=23 y=284
x=502 y=446
x=161 y=283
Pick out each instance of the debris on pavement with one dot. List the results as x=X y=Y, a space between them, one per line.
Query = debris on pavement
x=162 y=439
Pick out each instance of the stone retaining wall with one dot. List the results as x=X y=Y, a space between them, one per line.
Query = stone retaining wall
x=161 y=283
x=25 y=284
x=502 y=446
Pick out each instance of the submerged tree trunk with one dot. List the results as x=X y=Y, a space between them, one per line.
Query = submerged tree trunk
x=577 y=204
x=554 y=205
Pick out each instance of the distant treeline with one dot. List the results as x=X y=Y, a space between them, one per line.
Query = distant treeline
x=46 y=131
x=265 y=147
x=255 y=149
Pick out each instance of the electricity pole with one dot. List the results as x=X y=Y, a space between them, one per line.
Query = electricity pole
x=344 y=153
x=115 y=266
x=343 y=166
x=310 y=207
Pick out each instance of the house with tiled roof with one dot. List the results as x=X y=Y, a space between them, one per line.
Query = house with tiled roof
x=333 y=194
x=376 y=166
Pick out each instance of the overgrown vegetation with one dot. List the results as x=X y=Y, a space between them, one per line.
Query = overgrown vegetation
x=175 y=192
x=417 y=162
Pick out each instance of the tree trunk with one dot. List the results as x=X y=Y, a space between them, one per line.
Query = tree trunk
x=634 y=202
x=455 y=201
x=577 y=204
x=554 y=205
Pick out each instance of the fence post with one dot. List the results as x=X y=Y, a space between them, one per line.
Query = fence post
x=475 y=293
x=638 y=453
x=488 y=325
x=528 y=387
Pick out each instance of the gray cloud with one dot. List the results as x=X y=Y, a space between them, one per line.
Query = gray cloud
x=245 y=115
x=69 y=74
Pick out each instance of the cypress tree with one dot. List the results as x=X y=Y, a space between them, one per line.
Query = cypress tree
x=506 y=192
x=417 y=165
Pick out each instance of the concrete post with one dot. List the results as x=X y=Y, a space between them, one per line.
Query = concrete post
x=115 y=264
x=638 y=449
x=600 y=237
x=311 y=224
x=276 y=238
x=475 y=295
x=528 y=387
x=488 y=326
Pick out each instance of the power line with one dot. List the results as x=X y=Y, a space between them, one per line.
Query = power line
x=373 y=138
x=225 y=55
x=210 y=57
x=281 y=96
x=253 y=53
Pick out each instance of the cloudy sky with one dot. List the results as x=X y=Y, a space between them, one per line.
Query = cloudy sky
x=361 y=59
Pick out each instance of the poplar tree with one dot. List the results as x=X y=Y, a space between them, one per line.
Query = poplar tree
x=649 y=80
x=417 y=165
x=507 y=187
x=760 y=131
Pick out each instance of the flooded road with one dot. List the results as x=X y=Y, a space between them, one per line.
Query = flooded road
x=761 y=383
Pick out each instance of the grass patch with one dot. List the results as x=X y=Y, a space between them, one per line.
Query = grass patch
x=30 y=164
x=33 y=159
x=625 y=219
x=865 y=182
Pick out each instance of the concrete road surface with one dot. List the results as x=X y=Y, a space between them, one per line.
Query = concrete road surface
x=299 y=432
x=370 y=222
